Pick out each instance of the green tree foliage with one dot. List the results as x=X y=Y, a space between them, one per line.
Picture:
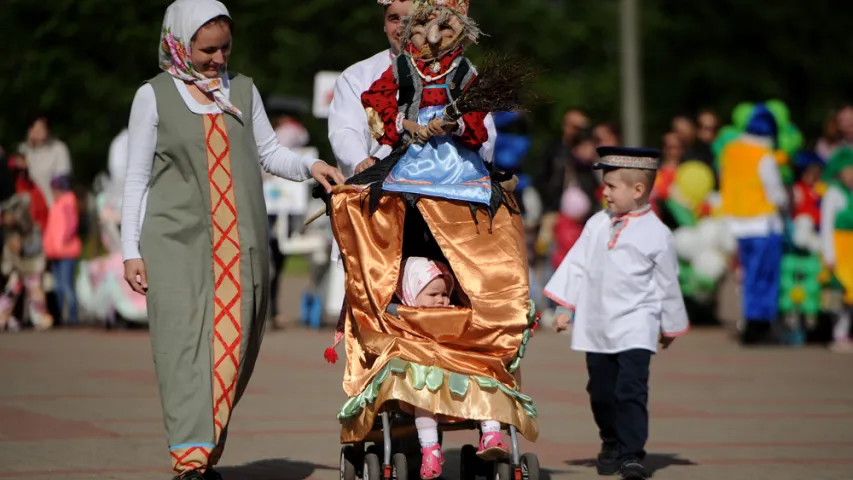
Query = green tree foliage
x=82 y=60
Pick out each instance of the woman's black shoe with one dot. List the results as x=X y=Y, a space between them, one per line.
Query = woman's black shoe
x=211 y=474
x=190 y=475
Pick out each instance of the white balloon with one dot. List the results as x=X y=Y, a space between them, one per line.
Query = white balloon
x=532 y=204
x=687 y=243
x=710 y=232
x=727 y=241
x=815 y=245
x=714 y=199
x=804 y=232
x=805 y=221
x=710 y=264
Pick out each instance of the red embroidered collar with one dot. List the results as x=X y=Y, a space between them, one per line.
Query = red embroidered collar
x=636 y=213
x=426 y=66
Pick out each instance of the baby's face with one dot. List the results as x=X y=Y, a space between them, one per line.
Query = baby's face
x=435 y=294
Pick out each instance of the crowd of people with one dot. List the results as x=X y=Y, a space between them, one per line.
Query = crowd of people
x=42 y=216
x=40 y=233
x=703 y=173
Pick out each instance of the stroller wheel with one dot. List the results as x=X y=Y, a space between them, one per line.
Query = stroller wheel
x=348 y=463
x=502 y=471
x=468 y=462
x=400 y=465
x=372 y=467
x=529 y=466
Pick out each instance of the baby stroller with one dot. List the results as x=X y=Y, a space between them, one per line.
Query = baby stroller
x=102 y=292
x=393 y=443
x=458 y=362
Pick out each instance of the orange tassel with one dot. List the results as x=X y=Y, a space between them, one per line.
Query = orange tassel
x=331 y=355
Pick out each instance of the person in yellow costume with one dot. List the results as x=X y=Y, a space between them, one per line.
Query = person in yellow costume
x=751 y=196
x=837 y=239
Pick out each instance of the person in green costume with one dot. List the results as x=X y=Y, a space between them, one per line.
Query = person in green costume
x=194 y=226
x=836 y=229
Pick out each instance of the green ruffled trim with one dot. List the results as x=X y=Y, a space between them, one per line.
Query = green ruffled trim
x=432 y=378
x=528 y=332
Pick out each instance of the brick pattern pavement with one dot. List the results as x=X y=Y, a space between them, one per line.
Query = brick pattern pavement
x=83 y=405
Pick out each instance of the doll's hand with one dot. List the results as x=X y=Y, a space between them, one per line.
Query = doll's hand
x=439 y=127
x=365 y=164
x=422 y=134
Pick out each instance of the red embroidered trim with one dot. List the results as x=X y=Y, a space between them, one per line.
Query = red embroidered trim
x=625 y=218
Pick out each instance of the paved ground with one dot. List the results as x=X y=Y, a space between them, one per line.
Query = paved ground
x=83 y=405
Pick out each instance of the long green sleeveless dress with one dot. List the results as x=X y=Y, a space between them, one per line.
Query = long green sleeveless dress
x=204 y=242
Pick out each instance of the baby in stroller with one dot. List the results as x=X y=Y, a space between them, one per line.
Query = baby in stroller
x=428 y=283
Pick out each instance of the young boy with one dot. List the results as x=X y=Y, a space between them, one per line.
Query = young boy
x=619 y=285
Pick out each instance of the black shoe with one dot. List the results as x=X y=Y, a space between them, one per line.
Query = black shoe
x=190 y=475
x=607 y=462
x=758 y=333
x=211 y=474
x=634 y=470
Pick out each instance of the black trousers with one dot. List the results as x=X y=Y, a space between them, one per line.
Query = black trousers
x=619 y=393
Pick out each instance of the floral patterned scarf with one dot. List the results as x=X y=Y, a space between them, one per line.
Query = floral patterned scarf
x=182 y=21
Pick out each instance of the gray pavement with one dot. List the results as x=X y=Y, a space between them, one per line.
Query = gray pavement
x=83 y=404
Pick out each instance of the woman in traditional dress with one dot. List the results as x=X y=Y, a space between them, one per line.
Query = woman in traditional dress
x=194 y=226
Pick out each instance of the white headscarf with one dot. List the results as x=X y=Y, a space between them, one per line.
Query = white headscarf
x=418 y=272
x=183 y=19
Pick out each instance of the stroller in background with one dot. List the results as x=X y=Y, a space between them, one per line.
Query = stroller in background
x=102 y=293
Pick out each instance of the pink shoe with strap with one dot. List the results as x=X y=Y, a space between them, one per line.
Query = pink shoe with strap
x=492 y=447
x=431 y=462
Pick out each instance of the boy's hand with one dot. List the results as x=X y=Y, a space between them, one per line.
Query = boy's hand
x=665 y=341
x=561 y=322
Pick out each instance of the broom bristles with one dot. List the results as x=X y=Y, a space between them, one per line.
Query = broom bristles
x=502 y=85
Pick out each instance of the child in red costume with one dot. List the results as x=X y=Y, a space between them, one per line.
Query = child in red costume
x=806 y=190
x=23 y=185
x=574 y=208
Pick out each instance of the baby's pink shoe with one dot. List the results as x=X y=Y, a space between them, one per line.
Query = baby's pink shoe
x=492 y=447
x=431 y=462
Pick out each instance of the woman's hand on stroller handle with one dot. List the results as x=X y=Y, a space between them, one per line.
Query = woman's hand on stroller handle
x=321 y=171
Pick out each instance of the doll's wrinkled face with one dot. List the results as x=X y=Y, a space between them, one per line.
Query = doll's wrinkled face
x=435 y=32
